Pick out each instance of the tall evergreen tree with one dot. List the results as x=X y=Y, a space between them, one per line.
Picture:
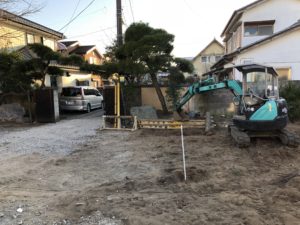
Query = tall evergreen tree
x=146 y=50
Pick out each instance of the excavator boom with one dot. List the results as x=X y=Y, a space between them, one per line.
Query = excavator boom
x=206 y=86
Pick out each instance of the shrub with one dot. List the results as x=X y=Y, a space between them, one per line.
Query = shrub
x=291 y=93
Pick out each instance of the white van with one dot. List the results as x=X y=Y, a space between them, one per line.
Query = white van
x=80 y=98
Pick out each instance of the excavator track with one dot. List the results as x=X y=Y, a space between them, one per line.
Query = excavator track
x=289 y=139
x=241 y=138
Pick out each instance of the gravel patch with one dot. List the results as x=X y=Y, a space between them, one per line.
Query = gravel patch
x=57 y=138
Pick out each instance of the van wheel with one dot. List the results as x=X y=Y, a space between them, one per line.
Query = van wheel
x=88 y=108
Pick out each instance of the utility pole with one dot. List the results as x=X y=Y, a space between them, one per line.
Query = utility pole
x=119 y=23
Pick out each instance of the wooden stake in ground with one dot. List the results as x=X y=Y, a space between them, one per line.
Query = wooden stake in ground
x=207 y=122
x=183 y=153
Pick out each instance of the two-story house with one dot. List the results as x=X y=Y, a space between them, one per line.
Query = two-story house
x=16 y=32
x=91 y=55
x=266 y=32
x=212 y=53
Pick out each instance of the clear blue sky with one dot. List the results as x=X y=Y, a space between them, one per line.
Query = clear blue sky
x=193 y=22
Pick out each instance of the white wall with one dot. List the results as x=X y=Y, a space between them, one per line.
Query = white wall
x=250 y=40
x=283 y=52
x=284 y=12
x=71 y=80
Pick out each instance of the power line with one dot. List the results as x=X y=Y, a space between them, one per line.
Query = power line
x=109 y=37
x=190 y=7
x=98 y=10
x=131 y=10
x=93 y=32
x=85 y=14
x=112 y=33
x=124 y=19
x=75 y=9
x=78 y=14
x=73 y=13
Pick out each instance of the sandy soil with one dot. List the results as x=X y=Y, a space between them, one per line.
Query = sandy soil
x=136 y=178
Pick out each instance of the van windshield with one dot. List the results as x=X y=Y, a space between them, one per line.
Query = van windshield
x=69 y=92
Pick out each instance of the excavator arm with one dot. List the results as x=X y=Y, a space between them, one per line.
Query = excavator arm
x=206 y=86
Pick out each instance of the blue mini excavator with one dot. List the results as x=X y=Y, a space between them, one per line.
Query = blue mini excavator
x=260 y=110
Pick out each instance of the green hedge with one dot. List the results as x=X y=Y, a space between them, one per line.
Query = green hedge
x=291 y=92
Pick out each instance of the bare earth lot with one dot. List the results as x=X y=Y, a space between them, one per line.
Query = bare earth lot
x=136 y=178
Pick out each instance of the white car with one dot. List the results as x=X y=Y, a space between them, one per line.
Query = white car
x=80 y=98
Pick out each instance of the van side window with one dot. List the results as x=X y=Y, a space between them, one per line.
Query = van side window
x=95 y=92
x=92 y=92
x=68 y=92
x=87 y=91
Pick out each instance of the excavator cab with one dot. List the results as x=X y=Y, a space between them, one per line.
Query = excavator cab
x=259 y=81
x=259 y=84
x=260 y=107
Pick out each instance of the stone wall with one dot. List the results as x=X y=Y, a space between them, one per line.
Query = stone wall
x=11 y=113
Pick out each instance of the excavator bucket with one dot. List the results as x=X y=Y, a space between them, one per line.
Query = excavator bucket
x=180 y=116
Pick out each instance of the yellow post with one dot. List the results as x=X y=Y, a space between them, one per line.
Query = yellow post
x=116 y=78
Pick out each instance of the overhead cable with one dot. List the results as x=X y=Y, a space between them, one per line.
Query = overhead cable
x=131 y=9
x=93 y=32
x=78 y=14
x=74 y=11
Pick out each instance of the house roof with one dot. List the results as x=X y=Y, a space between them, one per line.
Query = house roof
x=83 y=49
x=237 y=15
x=25 y=22
x=230 y=56
x=25 y=53
x=61 y=46
x=213 y=41
x=69 y=43
x=189 y=58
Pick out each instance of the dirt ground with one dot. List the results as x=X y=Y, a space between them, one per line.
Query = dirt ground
x=136 y=178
